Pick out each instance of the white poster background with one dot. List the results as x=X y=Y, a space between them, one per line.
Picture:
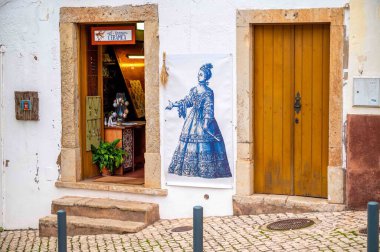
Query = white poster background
x=183 y=75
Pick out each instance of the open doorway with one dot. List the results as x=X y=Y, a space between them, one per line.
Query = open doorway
x=112 y=97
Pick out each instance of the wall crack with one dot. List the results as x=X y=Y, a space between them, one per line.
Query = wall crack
x=37 y=176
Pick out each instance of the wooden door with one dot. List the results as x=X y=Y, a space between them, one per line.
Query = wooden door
x=273 y=98
x=311 y=133
x=91 y=85
x=290 y=149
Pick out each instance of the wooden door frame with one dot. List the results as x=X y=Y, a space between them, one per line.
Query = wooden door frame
x=70 y=17
x=245 y=19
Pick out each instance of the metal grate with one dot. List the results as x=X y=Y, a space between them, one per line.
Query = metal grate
x=182 y=229
x=290 y=224
x=363 y=231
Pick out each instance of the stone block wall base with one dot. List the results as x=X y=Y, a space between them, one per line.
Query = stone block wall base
x=267 y=203
x=152 y=170
x=336 y=184
x=244 y=177
x=71 y=170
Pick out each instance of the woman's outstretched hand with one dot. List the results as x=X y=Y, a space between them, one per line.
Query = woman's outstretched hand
x=170 y=106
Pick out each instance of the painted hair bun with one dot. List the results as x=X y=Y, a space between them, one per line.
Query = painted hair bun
x=206 y=68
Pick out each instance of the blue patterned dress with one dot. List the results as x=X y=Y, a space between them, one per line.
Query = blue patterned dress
x=200 y=152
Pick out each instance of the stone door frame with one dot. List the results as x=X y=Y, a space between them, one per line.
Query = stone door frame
x=2 y=113
x=70 y=18
x=245 y=21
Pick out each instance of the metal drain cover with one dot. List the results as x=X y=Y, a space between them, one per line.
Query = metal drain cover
x=290 y=224
x=182 y=229
x=363 y=231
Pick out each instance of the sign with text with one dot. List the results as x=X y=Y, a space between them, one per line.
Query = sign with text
x=113 y=35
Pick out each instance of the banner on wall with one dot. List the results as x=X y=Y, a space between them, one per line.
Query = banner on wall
x=198 y=130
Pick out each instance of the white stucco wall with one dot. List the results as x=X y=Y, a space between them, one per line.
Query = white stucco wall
x=29 y=30
x=364 y=49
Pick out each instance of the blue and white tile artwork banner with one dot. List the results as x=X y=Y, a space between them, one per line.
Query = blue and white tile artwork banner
x=198 y=130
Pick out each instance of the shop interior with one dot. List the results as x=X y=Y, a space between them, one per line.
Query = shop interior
x=115 y=72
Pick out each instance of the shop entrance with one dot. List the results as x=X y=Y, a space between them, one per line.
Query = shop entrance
x=291 y=109
x=112 y=98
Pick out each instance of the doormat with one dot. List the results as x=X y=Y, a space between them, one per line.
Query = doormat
x=121 y=180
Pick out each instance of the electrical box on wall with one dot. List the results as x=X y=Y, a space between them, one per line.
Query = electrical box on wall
x=366 y=92
x=26 y=105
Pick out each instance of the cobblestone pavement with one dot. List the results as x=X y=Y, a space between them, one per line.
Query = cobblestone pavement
x=332 y=232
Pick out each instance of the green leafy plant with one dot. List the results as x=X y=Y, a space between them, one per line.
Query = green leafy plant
x=108 y=156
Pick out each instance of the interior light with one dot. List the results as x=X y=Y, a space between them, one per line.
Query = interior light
x=135 y=56
x=132 y=64
x=140 y=26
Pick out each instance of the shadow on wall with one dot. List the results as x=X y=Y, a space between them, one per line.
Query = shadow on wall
x=363 y=160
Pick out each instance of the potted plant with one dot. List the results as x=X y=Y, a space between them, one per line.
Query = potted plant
x=107 y=157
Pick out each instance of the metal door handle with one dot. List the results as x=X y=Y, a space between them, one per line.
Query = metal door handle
x=297 y=103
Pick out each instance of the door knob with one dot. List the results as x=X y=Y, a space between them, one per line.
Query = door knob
x=297 y=103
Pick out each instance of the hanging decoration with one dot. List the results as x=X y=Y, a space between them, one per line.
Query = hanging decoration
x=164 y=72
x=198 y=126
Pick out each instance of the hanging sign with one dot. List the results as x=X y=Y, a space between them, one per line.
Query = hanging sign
x=27 y=105
x=113 y=35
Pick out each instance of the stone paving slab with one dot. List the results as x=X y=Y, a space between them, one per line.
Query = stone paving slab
x=334 y=231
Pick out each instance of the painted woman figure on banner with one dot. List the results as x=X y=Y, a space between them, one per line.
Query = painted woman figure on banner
x=201 y=151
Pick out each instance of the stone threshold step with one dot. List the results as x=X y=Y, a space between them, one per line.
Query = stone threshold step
x=104 y=208
x=79 y=225
x=271 y=203
x=89 y=184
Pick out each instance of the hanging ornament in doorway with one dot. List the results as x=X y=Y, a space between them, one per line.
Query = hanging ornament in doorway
x=164 y=72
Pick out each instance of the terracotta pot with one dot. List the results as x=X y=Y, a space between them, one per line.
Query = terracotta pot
x=106 y=172
x=119 y=171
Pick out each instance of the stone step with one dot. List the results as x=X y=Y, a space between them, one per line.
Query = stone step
x=79 y=225
x=99 y=208
x=272 y=203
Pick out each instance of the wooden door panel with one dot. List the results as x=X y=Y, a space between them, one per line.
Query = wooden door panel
x=268 y=108
x=298 y=61
x=272 y=111
x=259 y=171
x=316 y=110
x=287 y=98
x=325 y=106
x=90 y=85
x=302 y=130
x=279 y=181
x=310 y=145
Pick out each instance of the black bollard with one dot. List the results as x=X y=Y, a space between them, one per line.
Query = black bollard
x=198 y=229
x=373 y=227
x=62 y=235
